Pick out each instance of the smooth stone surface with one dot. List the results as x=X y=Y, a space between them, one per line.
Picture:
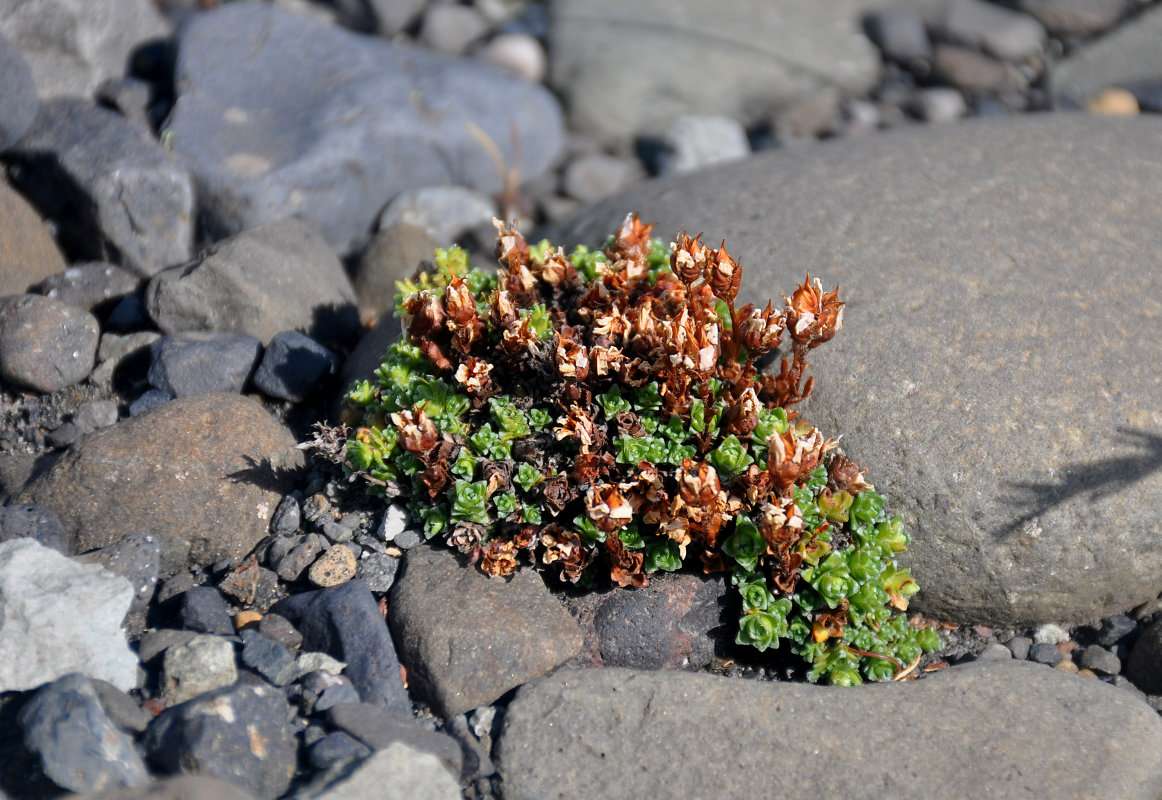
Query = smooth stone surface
x=1128 y=55
x=615 y=733
x=999 y=31
x=35 y=522
x=90 y=285
x=58 y=616
x=379 y=729
x=1076 y=17
x=238 y=734
x=702 y=141
x=137 y=557
x=71 y=46
x=205 y=610
x=982 y=267
x=45 y=344
x=114 y=191
x=739 y=58
x=28 y=254
x=345 y=622
x=79 y=748
x=275 y=277
x=466 y=638
x=294 y=366
x=443 y=212
x=399 y=772
x=18 y=101
x=331 y=125
x=202 y=362
x=204 y=663
x=201 y=473
x=182 y=787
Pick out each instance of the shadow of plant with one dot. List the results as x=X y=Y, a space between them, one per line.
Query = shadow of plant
x=1097 y=479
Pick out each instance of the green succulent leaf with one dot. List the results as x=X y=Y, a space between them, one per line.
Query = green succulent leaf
x=465 y=464
x=763 y=629
x=590 y=534
x=527 y=476
x=831 y=580
x=631 y=537
x=730 y=457
x=647 y=398
x=506 y=504
x=509 y=420
x=612 y=403
x=746 y=544
x=662 y=554
x=540 y=418
x=470 y=502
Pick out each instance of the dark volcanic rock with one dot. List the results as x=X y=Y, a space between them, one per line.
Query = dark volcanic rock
x=192 y=363
x=45 y=344
x=466 y=638
x=989 y=374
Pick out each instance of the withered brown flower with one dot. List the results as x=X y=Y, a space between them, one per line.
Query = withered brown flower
x=607 y=507
x=418 y=434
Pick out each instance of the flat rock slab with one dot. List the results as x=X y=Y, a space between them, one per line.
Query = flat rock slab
x=998 y=372
x=202 y=473
x=329 y=125
x=629 y=68
x=466 y=639
x=619 y=733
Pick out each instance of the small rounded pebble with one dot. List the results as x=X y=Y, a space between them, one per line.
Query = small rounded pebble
x=336 y=533
x=95 y=415
x=516 y=52
x=1114 y=103
x=45 y=345
x=1066 y=666
x=334 y=567
x=408 y=539
x=1099 y=659
x=1045 y=653
x=1019 y=647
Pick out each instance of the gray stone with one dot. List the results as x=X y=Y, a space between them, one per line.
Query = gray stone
x=443 y=212
x=121 y=709
x=238 y=734
x=606 y=733
x=95 y=414
x=130 y=97
x=1019 y=647
x=595 y=176
x=155 y=642
x=394 y=522
x=58 y=616
x=399 y=772
x=287 y=516
x=252 y=586
x=1114 y=629
x=696 y=142
x=379 y=729
x=899 y=33
x=467 y=639
x=79 y=748
x=34 y=522
x=451 y=29
x=335 y=748
x=810 y=117
x=278 y=629
x=995 y=652
x=407 y=539
x=64 y=435
x=45 y=344
x=966 y=68
x=1045 y=653
x=203 y=474
x=293 y=366
x=204 y=663
x=1076 y=17
x=393 y=254
x=1014 y=520
x=268 y=658
x=275 y=277
x=1099 y=659
x=392 y=16
x=345 y=621
x=186 y=364
x=28 y=253
x=378 y=571
x=332 y=125
x=114 y=192
x=940 y=104
x=137 y=557
x=1004 y=33
x=205 y=610
x=90 y=285
x=339 y=693
x=292 y=565
x=183 y=787
x=114 y=346
x=71 y=46
x=18 y=103
x=147 y=401
x=1128 y=55
x=741 y=59
x=671 y=624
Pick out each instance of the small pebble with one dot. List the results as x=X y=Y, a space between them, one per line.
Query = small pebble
x=246 y=619
x=1097 y=658
x=1066 y=666
x=336 y=533
x=278 y=629
x=1019 y=647
x=995 y=652
x=95 y=415
x=287 y=516
x=1114 y=103
x=408 y=539
x=334 y=567
x=394 y=522
x=151 y=399
x=206 y=611
x=1044 y=653
x=1114 y=629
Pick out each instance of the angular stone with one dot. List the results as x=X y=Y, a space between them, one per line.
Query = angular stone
x=71 y=46
x=1128 y=55
x=399 y=772
x=58 y=616
x=752 y=58
x=379 y=729
x=294 y=366
x=269 y=659
x=28 y=253
x=1076 y=17
x=205 y=610
x=332 y=125
x=198 y=362
x=1042 y=511
x=201 y=473
x=272 y=278
x=238 y=734
x=605 y=733
x=200 y=665
x=701 y=141
x=137 y=557
x=378 y=571
x=45 y=344
x=393 y=254
x=443 y=212
x=38 y=523
x=183 y=787
x=345 y=622
x=95 y=284
x=467 y=639
x=334 y=567
x=80 y=749
x=115 y=193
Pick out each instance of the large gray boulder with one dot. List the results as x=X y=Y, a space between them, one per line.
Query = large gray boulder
x=329 y=125
x=999 y=370
x=628 y=68
x=1126 y=57
x=618 y=733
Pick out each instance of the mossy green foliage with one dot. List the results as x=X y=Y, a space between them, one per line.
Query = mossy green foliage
x=602 y=414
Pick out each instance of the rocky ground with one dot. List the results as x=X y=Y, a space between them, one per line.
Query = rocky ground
x=206 y=206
